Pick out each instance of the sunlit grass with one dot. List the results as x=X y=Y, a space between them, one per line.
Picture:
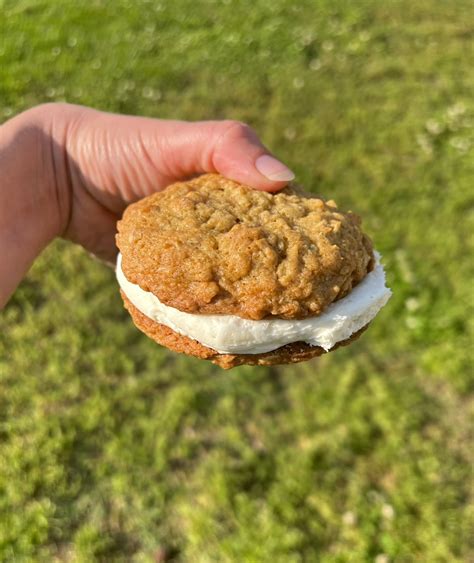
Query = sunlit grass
x=114 y=449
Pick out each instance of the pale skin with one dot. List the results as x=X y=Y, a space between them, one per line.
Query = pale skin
x=69 y=171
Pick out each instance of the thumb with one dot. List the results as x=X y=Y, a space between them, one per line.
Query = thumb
x=135 y=156
x=231 y=148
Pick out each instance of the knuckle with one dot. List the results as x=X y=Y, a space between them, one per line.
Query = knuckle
x=236 y=128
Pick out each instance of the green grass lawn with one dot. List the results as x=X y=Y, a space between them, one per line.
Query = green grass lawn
x=114 y=449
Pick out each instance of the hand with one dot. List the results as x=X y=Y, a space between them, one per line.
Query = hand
x=89 y=165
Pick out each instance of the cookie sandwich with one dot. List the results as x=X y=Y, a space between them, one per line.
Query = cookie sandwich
x=218 y=270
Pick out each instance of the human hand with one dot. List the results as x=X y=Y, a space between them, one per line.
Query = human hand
x=89 y=165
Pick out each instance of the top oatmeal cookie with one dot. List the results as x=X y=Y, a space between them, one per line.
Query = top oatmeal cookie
x=213 y=246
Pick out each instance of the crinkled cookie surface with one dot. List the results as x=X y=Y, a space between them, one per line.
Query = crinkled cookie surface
x=213 y=246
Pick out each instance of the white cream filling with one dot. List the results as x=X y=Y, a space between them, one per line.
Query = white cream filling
x=229 y=334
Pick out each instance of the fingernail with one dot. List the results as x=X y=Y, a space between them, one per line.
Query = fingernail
x=273 y=169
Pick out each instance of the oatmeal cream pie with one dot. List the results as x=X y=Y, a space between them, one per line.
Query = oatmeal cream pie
x=218 y=270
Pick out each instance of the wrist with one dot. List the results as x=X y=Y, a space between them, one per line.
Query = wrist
x=30 y=216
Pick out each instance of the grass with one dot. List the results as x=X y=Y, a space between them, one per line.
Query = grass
x=113 y=449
